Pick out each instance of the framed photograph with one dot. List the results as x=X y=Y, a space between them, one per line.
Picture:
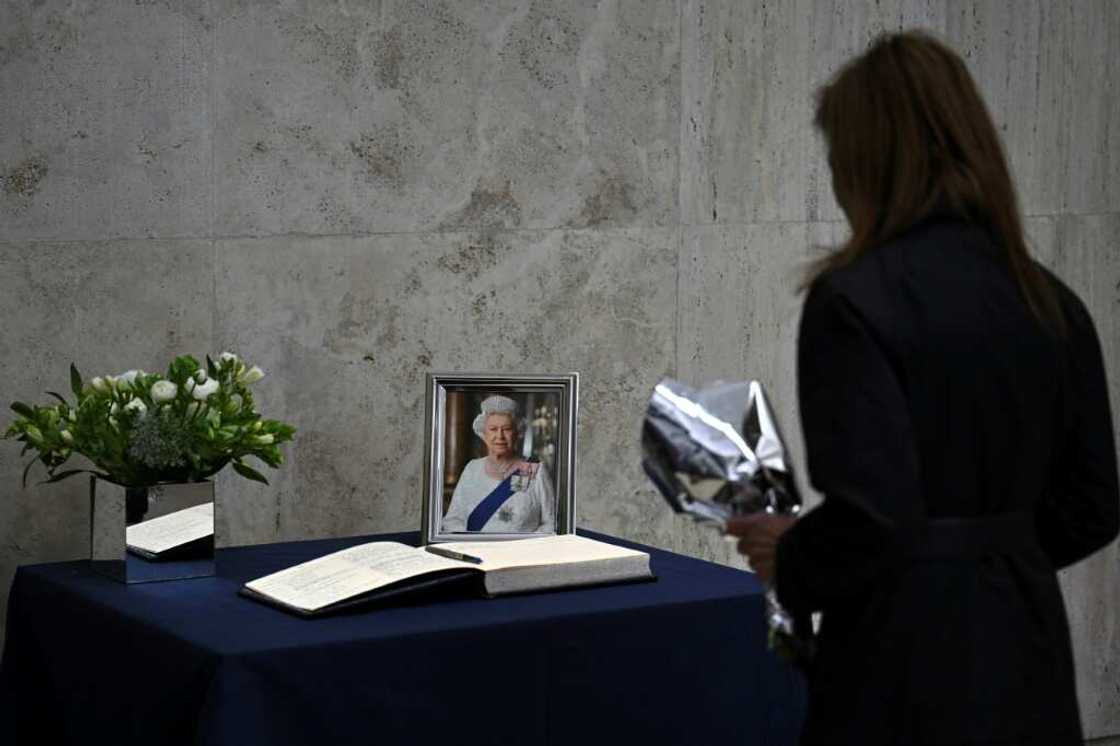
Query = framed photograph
x=499 y=456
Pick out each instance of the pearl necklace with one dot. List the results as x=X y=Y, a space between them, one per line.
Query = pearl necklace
x=504 y=469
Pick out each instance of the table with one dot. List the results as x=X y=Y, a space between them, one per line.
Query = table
x=678 y=661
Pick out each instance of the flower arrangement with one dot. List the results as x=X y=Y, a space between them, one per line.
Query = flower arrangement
x=140 y=429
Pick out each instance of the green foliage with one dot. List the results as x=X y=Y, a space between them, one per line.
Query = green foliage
x=75 y=380
x=135 y=432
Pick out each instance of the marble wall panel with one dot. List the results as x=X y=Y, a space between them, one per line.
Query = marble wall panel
x=1047 y=71
x=1019 y=54
x=1087 y=256
x=106 y=125
x=1093 y=114
x=437 y=115
x=351 y=325
x=1084 y=250
x=739 y=310
x=107 y=307
x=749 y=71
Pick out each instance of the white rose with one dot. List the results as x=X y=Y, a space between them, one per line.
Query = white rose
x=136 y=405
x=126 y=379
x=202 y=390
x=200 y=375
x=226 y=357
x=252 y=375
x=163 y=391
x=99 y=385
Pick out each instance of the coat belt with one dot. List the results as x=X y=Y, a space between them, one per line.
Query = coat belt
x=1003 y=533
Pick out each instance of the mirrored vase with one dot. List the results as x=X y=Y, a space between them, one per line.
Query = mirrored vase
x=149 y=534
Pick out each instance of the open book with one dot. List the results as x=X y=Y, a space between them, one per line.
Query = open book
x=383 y=569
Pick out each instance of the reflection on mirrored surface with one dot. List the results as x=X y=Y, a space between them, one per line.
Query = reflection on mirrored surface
x=146 y=534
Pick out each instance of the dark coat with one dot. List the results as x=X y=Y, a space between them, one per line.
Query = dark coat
x=929 y=395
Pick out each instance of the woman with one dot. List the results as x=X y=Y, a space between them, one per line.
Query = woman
x=956 y=419
x=500 y=492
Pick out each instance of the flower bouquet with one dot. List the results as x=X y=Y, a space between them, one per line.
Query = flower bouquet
x=140 y=429
x=153 y=440
x=715 y=453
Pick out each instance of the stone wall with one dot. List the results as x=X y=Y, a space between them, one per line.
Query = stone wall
x=352 y=193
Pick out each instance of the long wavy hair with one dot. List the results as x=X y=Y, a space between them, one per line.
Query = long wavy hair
x=908 y=135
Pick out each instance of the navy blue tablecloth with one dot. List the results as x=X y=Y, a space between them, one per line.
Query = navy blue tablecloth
x=682 y=660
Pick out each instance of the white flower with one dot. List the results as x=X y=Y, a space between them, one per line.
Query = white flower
x=136 y=405
x=126 y=379
x=114 y=408
x=99 y=385
x=202 y=390
x=163 y=391
x=226 y=357
x=200 y=375
x=252 y=375
x=67 y=438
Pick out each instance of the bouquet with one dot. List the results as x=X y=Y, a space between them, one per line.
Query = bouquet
x=717 y=453
x=140 y=429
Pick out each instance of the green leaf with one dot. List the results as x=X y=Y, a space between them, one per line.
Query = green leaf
x=26 y=469
x=182 y=368
x=58 y=396
x=23 y=410
x=75 y=380
x=249 y=472
x=63 y=475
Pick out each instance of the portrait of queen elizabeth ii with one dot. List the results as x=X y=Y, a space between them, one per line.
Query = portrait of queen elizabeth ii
x=502 y=491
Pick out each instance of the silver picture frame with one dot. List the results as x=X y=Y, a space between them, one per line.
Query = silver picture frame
x=560 y=390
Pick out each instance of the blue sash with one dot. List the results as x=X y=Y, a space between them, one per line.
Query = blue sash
x=490 y=504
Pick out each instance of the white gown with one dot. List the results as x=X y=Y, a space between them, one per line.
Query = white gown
x=531 y=509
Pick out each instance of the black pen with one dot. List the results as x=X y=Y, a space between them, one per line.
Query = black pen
x=449 y=554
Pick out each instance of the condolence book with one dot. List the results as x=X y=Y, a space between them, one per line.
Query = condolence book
x=383 y=569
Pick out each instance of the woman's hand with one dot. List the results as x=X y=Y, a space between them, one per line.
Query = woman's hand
x=758 y=539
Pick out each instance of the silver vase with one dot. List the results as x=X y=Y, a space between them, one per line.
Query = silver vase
x=154 y=533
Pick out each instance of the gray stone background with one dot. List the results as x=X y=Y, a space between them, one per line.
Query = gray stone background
x=352 y=193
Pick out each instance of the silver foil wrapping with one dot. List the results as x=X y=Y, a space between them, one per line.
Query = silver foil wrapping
x=716 y=452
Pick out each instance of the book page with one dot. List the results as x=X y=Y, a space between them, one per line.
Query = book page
x=341 y=575
x=172 y=530
x=546 y=550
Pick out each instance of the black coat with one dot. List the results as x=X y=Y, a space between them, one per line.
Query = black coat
x=932 y=401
